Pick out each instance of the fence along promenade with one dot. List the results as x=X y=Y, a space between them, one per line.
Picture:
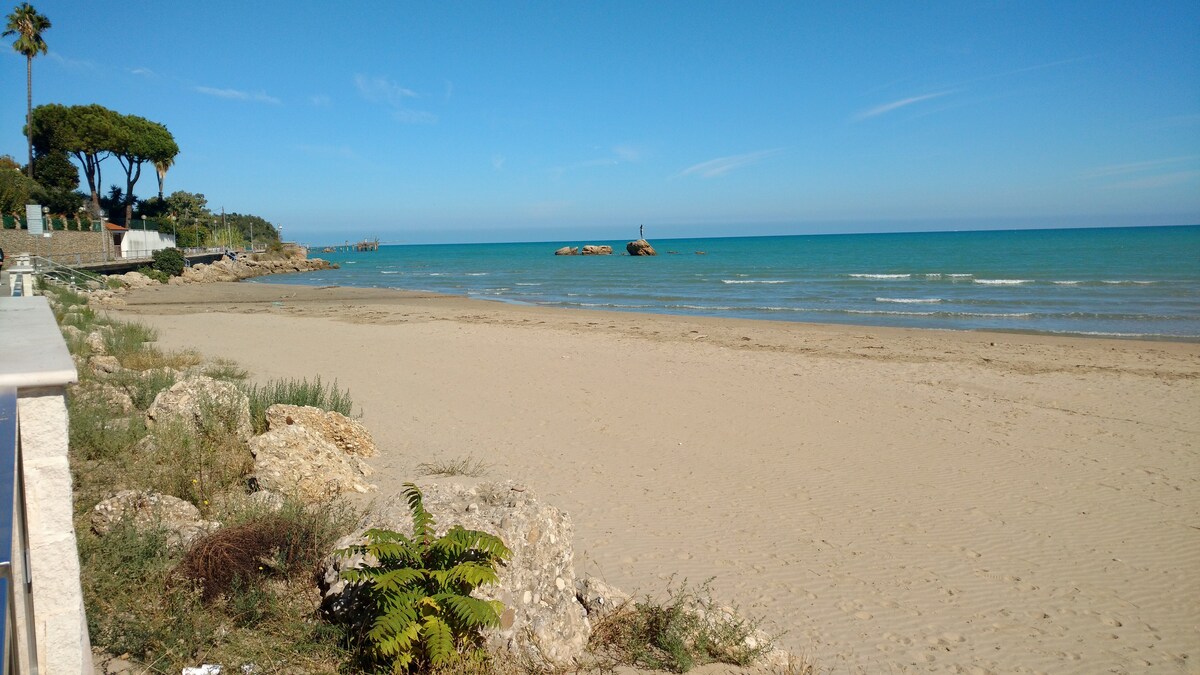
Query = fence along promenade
x=44 y=628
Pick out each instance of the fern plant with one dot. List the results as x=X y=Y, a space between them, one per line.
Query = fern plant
x=419 y=609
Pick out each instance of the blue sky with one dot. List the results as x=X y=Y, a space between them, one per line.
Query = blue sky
x=482 y=121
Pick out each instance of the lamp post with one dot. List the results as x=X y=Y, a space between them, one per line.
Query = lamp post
x=145 y=241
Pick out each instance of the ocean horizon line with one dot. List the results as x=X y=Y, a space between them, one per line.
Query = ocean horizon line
x=609 y=239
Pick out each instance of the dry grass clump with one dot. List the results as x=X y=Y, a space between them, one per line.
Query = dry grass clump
x=686 y=630
x=462 y=466
x=238 y=558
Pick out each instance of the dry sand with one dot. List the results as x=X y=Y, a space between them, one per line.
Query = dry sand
x=897 y=500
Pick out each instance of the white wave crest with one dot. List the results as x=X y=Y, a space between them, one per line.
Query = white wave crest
x=1002 y=282
x=910 y=301
x=881 y=276
x=390 y=272
x=754 y=281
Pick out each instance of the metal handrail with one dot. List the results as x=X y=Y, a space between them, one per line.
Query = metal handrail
x=16 y=602
x=57 y=269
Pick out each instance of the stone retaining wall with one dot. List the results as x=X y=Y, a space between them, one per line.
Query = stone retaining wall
x=64 y=246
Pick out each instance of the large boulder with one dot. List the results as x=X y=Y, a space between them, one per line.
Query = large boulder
x=543 y=621
x=135 y=280
x=640 y=247
x=296 y=461
x=567 y=250
x=597 y=249
x=348 y=435
x=204 y=405
x=114 y=397
x=150 y=510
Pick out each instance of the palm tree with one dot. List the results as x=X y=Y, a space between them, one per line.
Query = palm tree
x=161 y=167
x=28 y=26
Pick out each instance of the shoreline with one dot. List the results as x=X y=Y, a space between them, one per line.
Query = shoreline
x=1124 y=337
x=897 y=498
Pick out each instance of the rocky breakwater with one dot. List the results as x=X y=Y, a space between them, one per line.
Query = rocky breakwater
x=225 y=269
x=245 y=268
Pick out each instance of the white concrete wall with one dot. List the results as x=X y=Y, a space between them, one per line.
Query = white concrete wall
x=139 y=244
x=61 y=628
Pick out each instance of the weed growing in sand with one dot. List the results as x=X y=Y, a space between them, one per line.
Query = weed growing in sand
x=123 y=340
x=416 y=607
x=686 y=630
x=464 y=466
x=295 y=392
x=226 y=370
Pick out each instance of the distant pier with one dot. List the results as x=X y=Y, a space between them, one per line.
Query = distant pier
x=364 y=245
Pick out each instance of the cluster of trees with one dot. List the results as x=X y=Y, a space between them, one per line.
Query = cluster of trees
x=194 y=224
x=92 y=134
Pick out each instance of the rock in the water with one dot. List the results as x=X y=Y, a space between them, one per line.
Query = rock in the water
x=640 y=247
x=567 y=250
x=204 y=405
x=597 y=249
x=148 y=510
x=293 y=460
x=542 y=619
x=348 y=435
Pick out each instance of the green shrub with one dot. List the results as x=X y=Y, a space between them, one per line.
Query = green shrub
x=418 y=611
x=169 y=261
x=157 y=275
x=295 y=392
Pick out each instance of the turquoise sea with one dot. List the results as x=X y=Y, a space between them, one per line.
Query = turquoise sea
x=1126 y=282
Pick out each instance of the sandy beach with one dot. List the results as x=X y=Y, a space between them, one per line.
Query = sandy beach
x=896 y=500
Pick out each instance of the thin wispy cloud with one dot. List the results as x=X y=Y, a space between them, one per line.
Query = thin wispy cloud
x=320 y=101
x=1026 y=69
x=1137 y=167
x=896 y=105
x=720 y=166
x=144 y=72
x=628 y=153
x=1161 y=180
x=385 y=92
x=67 y=62
x=498 y=162
x=382 y=90
x=238 y=95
